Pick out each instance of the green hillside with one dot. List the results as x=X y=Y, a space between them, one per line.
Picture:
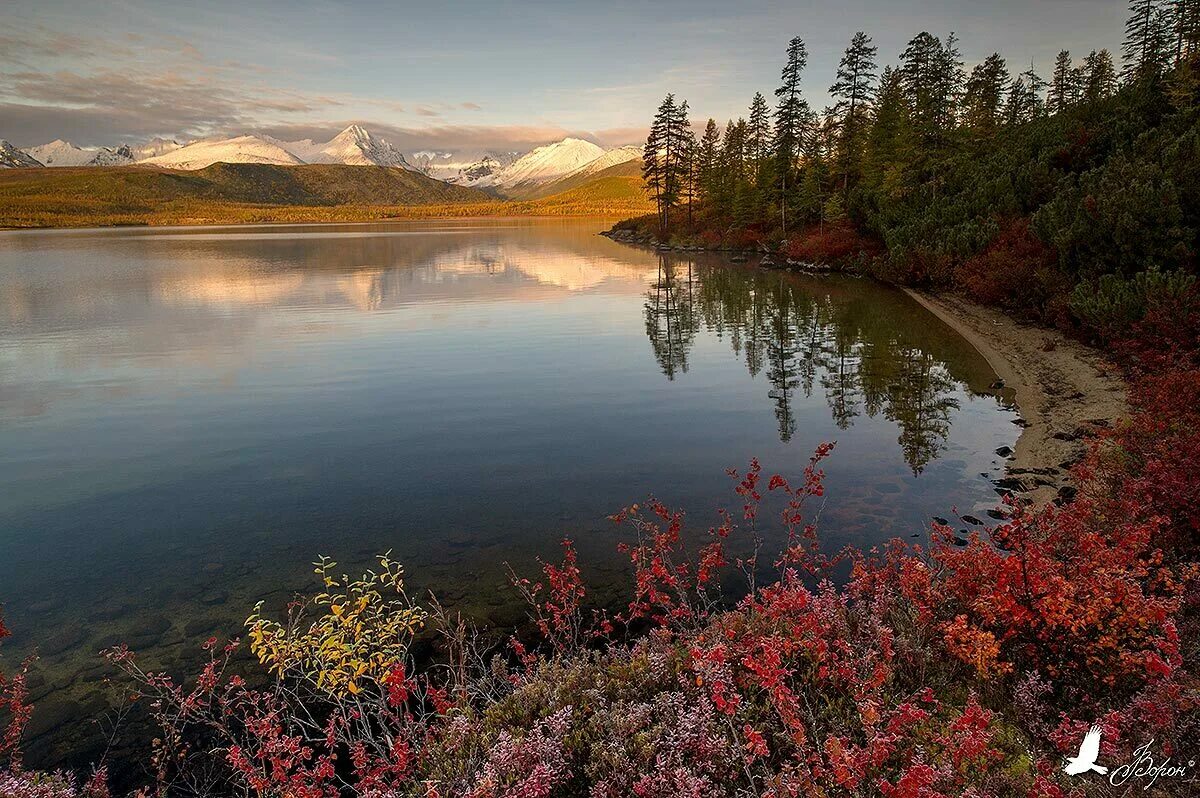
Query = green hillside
x=52 y=197
x=252 y=193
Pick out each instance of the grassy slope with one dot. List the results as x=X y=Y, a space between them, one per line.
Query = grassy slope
x=630 y=169
x=231 y=193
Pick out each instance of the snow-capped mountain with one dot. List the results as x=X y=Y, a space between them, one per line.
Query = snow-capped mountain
x=463 y=168
x=503 y=172
x=64 y=153
x=481 y=172
x=153 y=148
x=12 y=158
x=61 y=153
x=240 y=149
x=617 y=155
x=548 y=163
x=354 y=146
x=512 y=172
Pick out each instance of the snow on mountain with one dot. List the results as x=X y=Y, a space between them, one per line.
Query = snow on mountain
x=12 y=158
x=61 y=153
x=548 y=163
x=304 y=149
x=240 y=149
x=356 y=146
x=480 y=173
x=108 y=157
x=64 y=153
x=430 y=162
x=615 y=156
x=153 y=148
x=463 y=168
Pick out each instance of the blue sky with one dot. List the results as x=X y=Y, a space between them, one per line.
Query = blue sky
x=461 y=74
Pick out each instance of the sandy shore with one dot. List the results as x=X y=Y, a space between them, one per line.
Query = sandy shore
x=1064 y=390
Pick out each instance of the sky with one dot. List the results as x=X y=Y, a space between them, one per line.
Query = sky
x=447 y=75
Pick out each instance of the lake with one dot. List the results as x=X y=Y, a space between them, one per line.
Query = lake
x=189 y=416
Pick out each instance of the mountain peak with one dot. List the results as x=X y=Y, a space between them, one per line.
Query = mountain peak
x=355 y=131
x=357 y=147
x=550 y=162
x=12 y=158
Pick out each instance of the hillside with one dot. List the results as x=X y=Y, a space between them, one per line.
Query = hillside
x=233 y=193
x=132 y=195
x=622 y=180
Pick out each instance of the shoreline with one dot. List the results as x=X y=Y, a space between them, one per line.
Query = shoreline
x=1064 y=390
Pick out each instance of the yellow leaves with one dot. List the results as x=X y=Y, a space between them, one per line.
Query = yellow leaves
x=360 y=628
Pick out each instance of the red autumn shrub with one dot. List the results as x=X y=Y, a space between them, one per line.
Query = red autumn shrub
x=1156 y=452
x=1013 y=271
x=834 y=244
x=15 y=710
x=741 y=238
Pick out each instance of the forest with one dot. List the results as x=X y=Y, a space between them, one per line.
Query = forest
x=1069 y=198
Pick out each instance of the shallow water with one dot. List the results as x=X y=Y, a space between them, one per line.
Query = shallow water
x=189 y=416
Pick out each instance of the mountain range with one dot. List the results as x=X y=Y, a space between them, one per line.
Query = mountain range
x=509 y=174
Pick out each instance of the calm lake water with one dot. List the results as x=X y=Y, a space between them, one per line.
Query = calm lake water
x=189 y=416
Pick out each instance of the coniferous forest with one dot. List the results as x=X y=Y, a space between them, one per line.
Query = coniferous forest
x=1069 y=197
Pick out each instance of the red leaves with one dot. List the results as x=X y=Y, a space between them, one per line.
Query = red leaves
x=14 y=697
x=399 y=686
x=756 y=744
x=836 y=243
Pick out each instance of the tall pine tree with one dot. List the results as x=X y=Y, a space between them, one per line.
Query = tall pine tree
x=1063 y=84
x=983 y=111
x=792 y=119
x=1146 y=41
x=853 y=91
x=666 y=158
x=708 y=166
x=1099 y=76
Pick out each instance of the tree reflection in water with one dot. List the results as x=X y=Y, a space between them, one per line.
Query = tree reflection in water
x=870 y=352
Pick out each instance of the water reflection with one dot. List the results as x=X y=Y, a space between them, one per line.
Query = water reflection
x=187 y=417
x=808 y=336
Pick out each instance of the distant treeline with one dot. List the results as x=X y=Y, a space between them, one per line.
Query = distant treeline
x=1072 y=196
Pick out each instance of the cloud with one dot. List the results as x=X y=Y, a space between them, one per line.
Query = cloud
x=107 y=106
x=111 y=88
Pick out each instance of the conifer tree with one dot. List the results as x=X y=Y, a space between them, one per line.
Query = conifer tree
x=689 y=160
x=853 y=90
x=707 y=154
x=1063 y=84
x=759 y=144
x=665 y=158
x=655 y=165
x=792 y=118
x=983 y=111
x=889 y=143
x=1099 y=76
x=952 y=77
x=1146 y=40
x=1186 y=28
x=1034 y=86
x=932 y=76
x=1016 y=107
